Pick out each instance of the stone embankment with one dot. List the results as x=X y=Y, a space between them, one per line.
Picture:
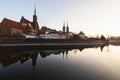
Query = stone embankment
x=21 y=40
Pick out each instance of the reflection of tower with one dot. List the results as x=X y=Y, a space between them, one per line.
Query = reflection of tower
x=64 y=27
x=34 y=58
x=81 y=49
x=101 y=47
x=108 y=49
x=63 y=55
x=66 y=54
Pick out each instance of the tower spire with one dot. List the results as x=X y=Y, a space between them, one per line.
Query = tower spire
x=64 y=23
x=34 y=9
x=64 y=26
x=67 y=23
x=35 y=23
x=67 y=28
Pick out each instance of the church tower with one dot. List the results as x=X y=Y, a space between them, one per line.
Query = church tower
x=35 y=23
x=64 y=27
x=67 y=28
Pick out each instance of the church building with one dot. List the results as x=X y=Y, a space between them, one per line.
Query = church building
x=10 y=27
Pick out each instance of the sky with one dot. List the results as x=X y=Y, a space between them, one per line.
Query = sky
x=93 y=17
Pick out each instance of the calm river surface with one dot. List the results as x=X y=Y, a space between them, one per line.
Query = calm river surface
x=96 y=63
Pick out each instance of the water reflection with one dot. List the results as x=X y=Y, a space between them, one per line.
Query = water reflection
x=9 y=56
x=57 y=63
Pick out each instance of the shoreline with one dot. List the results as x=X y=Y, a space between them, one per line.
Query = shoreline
x=22 y=41
x=21 y=47
x=54 y=44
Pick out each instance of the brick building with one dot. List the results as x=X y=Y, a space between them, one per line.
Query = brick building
x=10 y=27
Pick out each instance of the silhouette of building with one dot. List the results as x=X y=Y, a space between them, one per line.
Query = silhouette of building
x=67 y=28
x=48 y=33
x=27 y=26
x=35 y=23
x=81 y=34
x=64 y=27
x=10 y=27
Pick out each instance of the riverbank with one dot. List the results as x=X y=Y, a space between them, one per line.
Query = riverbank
x=22 y=41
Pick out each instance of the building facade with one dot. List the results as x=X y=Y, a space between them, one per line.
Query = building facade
x=82 y=35
x=10 y=27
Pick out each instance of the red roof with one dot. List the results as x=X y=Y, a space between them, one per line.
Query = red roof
x=12 y=23
x=46 y=29
x=23 y=20
x=27 y=27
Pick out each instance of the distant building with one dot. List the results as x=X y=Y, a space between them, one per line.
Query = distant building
x=27 y=27
x=67 y=28
x=82 y=35
x=70 y=35
x=66 y=31
x=64 y=27
x=45 y=30
x=48 y=33
x=10 y=27
x=50 y=36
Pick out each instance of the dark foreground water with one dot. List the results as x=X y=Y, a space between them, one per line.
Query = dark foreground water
x=61 y=64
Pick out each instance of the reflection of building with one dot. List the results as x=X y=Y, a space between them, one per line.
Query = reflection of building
x=10 y=27
x=45 y=53
x=12 y=58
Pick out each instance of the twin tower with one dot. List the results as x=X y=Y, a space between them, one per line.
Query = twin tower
x=65 y=28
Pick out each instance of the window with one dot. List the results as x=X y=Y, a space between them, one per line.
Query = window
x=29 y=24
x=24 y=24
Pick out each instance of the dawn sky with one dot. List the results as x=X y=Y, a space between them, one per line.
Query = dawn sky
x=90 y=16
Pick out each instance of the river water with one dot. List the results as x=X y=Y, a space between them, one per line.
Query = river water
x=92 y=63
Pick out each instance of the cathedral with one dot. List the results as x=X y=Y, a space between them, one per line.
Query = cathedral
x=65 y=29
x=10 y=27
